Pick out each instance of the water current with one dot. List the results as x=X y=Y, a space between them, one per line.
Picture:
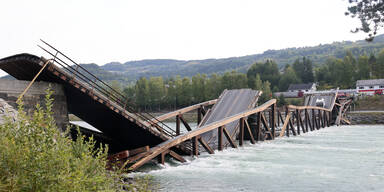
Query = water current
x=344 y=158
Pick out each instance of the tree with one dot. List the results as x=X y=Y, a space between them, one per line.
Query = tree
x=363 y=68
x=267 y=93
x=281 y=100
x=142 y=92
x=268 y=71
x=370 y=13
x=304 y=70
x=289 y=77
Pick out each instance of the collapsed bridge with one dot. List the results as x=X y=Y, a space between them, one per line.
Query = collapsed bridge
x=140 y=137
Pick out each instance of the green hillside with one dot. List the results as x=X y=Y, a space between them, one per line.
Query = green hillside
x=133 y=70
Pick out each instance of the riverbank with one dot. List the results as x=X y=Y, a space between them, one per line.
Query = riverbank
x=366 y=117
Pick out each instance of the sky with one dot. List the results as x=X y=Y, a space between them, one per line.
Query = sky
x=103 y=31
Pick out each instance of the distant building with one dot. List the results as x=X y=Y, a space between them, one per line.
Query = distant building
x=303 y=87
x=370 y=87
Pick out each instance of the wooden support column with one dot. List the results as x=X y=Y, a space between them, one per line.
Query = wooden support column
x=273 y=111
x=206 y=146
x=329 y=118
x=286 y=122
x=291 y=124
x=161 y=158
x=185 y=123
x=241 y=134
x=195 y=146
x=258 y=127
x=249 y=132
x=306 y=119
x=301 y=122
x=177 y=125
x=220 y=138
x=320 y=119
x=229 y=138
x=297 y=122
x=199 y=115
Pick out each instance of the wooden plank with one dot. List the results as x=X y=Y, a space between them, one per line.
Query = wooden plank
x=139 y=150
x=138 y=156
x=249 y=132
x=229 y=138
x=179 y=139
x=176 y=156
x=182 y=111
x=308 y=107
x=285 y=125
x=205 y=145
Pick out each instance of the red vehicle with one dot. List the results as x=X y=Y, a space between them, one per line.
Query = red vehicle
x=379 y=92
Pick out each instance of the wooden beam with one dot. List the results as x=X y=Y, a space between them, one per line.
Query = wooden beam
x=139 y=150
x=161 y=157
x=199 y=115
x=301 y=122
x=285 y=126
x=182 y=111
x=220 y=137
x=229 y=138
x=297 y=121
x=241 y=131
x=250 y=132
x=177 y=124
x=177 y=156
x=273 y=110
x=118 y=156
x=307 y=107
x=266 y=127
x=185 y=123
x=306 y=119
x=258 y=127
x=206 y=146
x=292 y=127
x=195 y=146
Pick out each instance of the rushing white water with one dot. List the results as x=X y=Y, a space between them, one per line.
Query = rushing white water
x=345 y=158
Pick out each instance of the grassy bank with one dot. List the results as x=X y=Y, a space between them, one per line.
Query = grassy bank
x=370 y=103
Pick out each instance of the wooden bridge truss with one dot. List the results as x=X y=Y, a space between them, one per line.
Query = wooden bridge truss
x=268 y=123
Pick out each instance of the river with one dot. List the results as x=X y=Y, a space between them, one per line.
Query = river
x=344 y=158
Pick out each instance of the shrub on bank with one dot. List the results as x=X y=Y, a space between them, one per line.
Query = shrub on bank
x=36 y=156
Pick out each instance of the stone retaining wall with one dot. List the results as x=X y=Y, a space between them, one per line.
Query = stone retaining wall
x=366 y=118
x=11 y=89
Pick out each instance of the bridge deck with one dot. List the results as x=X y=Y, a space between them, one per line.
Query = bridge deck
x=229 y=103
x=88 y=104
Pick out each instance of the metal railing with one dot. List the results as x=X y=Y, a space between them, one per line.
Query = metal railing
x=97 y=85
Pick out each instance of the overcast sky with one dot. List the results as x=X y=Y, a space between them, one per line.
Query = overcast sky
x=102 y=31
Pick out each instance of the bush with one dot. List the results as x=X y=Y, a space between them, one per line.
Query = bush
x=36 y=156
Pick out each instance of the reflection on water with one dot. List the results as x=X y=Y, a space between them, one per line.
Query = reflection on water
x=345 y=158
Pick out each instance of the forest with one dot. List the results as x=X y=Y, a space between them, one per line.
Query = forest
x=158 y=93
